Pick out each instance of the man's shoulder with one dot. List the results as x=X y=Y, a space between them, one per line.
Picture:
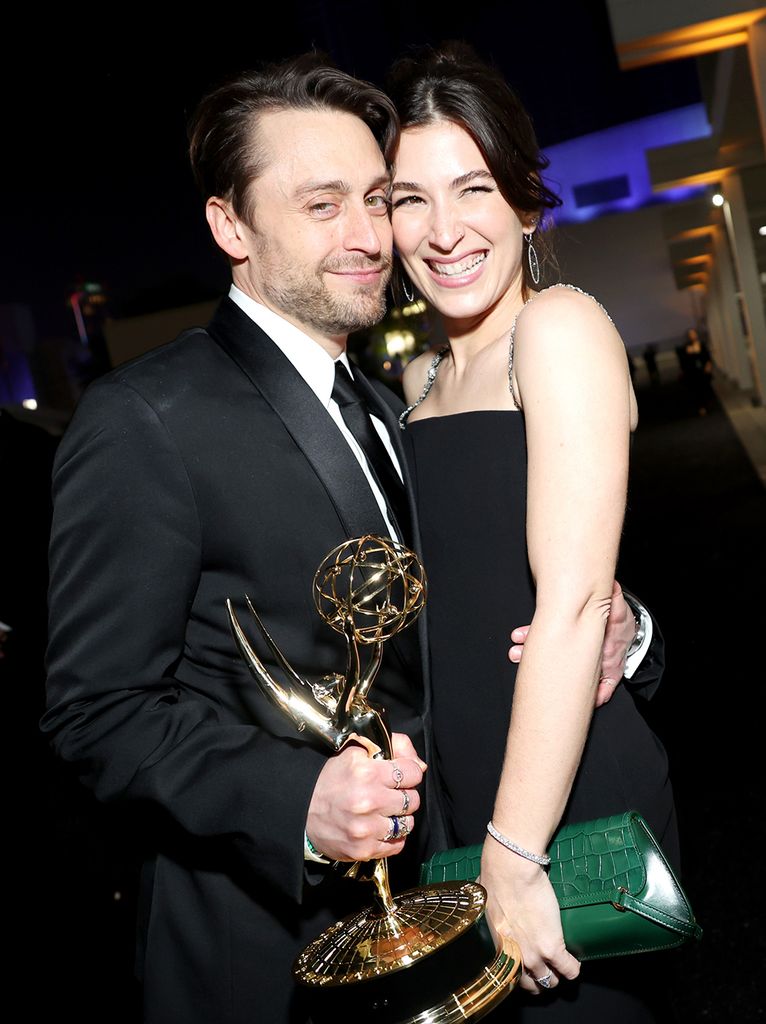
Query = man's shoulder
x=189 y=347
x=196 y=356
x=164 y=379
x=167 y=368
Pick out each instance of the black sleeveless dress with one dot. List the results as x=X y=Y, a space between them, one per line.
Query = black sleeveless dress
x=469 y=472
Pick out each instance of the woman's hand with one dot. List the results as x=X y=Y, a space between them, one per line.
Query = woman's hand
x=521 y=904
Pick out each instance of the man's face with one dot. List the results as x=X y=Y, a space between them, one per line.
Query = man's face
x=319 y=250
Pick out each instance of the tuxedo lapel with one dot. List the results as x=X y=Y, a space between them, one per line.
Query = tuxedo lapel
x=304 y=416
x=412 y=643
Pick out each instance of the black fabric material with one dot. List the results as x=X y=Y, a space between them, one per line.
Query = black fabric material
x=356 y=416
x=470 y=478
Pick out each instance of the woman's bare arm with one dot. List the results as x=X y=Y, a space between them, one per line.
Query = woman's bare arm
x=575 y=391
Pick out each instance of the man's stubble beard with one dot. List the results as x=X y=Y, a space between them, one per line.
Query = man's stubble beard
x=306 y=298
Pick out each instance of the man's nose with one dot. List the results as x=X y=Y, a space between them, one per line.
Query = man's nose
x=365 y=231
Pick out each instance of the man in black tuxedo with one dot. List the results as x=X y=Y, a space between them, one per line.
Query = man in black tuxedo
x=219 y=466
x=222 y=465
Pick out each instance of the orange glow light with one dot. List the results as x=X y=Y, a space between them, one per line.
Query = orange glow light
x=682 y=236
x=691 y=260
x=711 y=177
x=689 y=40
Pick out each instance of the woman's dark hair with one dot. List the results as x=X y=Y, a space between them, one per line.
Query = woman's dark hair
x=223 y=130
x=451 y=83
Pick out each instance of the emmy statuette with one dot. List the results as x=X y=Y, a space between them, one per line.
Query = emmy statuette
x=427 y=955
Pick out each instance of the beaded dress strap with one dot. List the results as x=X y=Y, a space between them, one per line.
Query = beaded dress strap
x=561 y=284
x=430 y=378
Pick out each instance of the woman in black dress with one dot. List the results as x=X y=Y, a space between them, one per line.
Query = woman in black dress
x=520 y=432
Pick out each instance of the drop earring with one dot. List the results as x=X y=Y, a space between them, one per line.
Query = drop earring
x=532 y=260
x=409 y=296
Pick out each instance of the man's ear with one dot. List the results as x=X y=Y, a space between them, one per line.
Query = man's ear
x=226 y=228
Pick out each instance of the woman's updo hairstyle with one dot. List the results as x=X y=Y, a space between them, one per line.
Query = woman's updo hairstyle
x=452 y=83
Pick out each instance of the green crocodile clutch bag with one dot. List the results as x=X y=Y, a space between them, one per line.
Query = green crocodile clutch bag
x=616 y=890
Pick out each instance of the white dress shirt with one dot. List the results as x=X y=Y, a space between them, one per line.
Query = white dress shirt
x=317 y=367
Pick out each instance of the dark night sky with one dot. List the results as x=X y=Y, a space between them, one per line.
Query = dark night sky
x=96 y=181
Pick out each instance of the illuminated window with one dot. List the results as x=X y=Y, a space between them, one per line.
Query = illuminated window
x=605 y=191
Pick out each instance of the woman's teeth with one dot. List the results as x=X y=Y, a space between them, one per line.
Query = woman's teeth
x=462 y=267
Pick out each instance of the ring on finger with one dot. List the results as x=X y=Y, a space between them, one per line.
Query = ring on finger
x=545 y=981
x=405 y=802
x=398 y=776
x=398 y=829
x=394 y=829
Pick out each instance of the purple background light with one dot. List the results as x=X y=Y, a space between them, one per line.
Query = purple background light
x=618 y=151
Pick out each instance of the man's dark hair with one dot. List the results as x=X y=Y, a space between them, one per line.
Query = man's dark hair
x=223 y=130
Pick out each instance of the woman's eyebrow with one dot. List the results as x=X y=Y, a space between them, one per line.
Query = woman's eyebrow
x=459 y=182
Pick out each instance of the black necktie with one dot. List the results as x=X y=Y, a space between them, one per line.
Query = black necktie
x=356 y=416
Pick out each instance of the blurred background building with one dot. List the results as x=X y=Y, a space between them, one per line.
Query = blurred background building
x=716 y=241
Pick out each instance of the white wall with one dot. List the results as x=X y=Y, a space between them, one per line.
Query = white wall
x=623 y=260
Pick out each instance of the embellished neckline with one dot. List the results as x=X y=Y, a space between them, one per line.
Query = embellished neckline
x=437 y=359
x=430 y=378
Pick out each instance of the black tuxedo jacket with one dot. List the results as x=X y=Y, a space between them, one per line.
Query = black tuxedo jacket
x=204 y=470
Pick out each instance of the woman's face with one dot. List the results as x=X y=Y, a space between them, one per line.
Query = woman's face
x=459 y=240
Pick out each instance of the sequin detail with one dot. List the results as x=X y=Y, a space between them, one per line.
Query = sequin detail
x=430 y=378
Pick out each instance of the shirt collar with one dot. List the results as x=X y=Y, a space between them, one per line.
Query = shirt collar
x=316 y=366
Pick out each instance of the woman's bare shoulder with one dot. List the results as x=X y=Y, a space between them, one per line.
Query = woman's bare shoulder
x=565 y=300
x=564 y=313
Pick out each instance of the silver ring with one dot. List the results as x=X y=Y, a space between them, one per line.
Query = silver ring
x=398 y=775
x=405 y=802
x=393 y=832
x=545 y=981
x=399 y=829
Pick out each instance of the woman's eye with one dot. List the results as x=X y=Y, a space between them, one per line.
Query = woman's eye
x=477 y=188
x=407 y=201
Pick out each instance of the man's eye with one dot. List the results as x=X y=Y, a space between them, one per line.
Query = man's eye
x=323 y=209
x=377 y=202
